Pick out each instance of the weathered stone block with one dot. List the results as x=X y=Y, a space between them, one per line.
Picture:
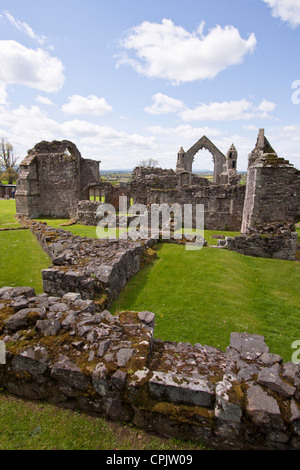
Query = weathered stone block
x=181 y=389
x=263 y=408
x=269 y=376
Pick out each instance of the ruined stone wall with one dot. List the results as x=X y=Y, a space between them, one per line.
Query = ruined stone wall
x=272 y=199
x=96 y=269
x=223 y=205
x=52 y=180
x=61 y=350
x=273 y=188
x=273 y=195
x=277 y=241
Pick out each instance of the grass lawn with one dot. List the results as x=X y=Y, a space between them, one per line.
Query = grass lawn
x=21 y=260
x=202 y=296
x=28 y=425
x=7 y=213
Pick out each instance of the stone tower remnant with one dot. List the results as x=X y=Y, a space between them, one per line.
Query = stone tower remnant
x=273 y=188
x=53 y=179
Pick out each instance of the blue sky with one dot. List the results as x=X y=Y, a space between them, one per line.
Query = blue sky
x=128 y=81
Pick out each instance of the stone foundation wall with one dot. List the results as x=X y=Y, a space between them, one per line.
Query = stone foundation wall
x=63 y=351
x=96 y=269
x=265 y=243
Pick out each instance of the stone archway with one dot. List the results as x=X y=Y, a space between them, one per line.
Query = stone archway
x=186 y=159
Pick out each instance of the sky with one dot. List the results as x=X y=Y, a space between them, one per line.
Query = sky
x=131 y=80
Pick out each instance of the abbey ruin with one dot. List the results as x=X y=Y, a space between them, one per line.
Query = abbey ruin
x=242 y=398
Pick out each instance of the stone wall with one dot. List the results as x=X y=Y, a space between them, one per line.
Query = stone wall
x=223 y=204
x=281 y=244
x=96 y=269
x=61 y=350
x=273 y=188
x=272 y=200
x=53 y=178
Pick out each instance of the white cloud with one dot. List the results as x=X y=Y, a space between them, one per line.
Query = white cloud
x=164 y=104
x=22 y=26
x=185 y=131
x=286 y=10
x=266 y=106
x=29 y=67
x=3 y=94
x=170 y=52
x=90 y=105
x=44 y=100
x=228 y=111
x=24 y=127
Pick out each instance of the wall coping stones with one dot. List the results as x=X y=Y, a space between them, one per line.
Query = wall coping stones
x=62 y=350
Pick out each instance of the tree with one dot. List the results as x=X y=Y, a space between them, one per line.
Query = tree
x=8 y=160
x=150 y=163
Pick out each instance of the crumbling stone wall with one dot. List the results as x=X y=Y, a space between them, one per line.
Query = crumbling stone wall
x=185 y=159
x=278 y=241
x=272 y=205
x=273 y=188
x=62 y=350
x=223 y=204
x=96 y=269
x=53 y=178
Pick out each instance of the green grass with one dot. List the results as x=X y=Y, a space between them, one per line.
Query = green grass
x=7 y=213
x=28 y=425
x=202 y=296
x=21 y=260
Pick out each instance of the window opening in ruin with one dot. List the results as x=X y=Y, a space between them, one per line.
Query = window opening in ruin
x=203 y=162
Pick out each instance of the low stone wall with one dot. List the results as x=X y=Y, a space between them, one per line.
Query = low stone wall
x=63 y=351
x=278 y=245
x=97 y=269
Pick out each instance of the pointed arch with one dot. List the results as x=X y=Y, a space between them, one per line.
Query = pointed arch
x=219 y=158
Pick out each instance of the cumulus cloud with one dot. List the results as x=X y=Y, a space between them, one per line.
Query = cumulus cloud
x=266 y=106
x=286 y=10
x=44 y=100
x=164 y=104
x=25 y=126
x=33 y=68
x=228 y=111
x=170 y=52
x=86 y=105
